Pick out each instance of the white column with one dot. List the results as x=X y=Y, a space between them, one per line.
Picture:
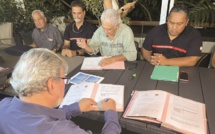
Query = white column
x=164 y=9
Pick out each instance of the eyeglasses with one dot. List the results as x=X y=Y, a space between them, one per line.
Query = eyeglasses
x=66 y=79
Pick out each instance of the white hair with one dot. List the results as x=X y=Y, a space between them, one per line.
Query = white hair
x=33 y=70
x=112 y=16
x=38 y=11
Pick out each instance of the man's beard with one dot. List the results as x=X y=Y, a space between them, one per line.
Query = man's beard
x=77 y=20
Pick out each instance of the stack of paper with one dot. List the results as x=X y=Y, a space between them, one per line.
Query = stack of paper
x=92 y=63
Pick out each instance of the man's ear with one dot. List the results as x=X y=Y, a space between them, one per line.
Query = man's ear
x=45 y=19
x=50 y=86
x=187 y=21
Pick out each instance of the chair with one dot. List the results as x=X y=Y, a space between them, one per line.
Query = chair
x=139 y=55
x=211 y=58
x=204 y=60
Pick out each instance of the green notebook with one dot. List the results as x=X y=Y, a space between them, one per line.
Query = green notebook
x=166 y=73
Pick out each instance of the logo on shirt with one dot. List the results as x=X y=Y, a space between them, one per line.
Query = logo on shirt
x=49 y=39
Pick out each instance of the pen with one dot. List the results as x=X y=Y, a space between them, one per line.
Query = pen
x=106 y=100
x=133 y=76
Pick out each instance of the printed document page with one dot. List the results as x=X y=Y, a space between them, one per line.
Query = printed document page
x=77 y=92
x=187 y=115
x=91 y=63
x=148 y=104
x=115 y=92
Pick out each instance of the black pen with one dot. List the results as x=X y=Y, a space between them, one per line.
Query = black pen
x=133 y=76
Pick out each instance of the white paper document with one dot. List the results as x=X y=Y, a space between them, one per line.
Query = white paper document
x=92 y=63
x=98 y=92
x=185 y=114
x=148 y=104
x=174 y=112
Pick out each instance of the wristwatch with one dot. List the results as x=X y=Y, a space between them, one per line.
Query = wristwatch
x=77 y=53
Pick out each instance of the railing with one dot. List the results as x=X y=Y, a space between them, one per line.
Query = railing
x=149 y=23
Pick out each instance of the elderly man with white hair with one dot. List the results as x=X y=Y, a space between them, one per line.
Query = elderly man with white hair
x=112 y=39
x=39 y=80
x=45 y=35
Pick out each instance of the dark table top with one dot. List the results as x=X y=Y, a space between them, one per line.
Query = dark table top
x=198 y=88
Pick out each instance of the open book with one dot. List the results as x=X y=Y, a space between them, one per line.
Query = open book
x=171 y=111
x=92 y=63
x=98 y=92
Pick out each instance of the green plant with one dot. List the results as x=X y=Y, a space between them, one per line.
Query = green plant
x=96 y=8
x=20 y=12
x=201 y=11
x=143 y=8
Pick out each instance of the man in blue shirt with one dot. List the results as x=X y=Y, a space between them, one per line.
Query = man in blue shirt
x=38 y=79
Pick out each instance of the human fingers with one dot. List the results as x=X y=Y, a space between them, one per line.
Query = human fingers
x=63 y=52
x=109 y=104
x=87 y=104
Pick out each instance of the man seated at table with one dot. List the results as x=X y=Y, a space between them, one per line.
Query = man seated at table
x=174 y=43
x=112 y=39
x=38 y=79
x=80 y=28
x=45 y=35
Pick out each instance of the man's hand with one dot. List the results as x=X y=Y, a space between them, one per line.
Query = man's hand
x=67 y=52
x=161 y=59
x=81 y=43
x=33 y=45
x=129 y=6
x=64 y=52
x=109 y=104
x=158 y=59
x=107 y=61
x=87 y=104
x=71 y=53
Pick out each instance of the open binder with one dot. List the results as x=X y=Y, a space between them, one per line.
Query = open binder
x=98 y=92
x=171 y=111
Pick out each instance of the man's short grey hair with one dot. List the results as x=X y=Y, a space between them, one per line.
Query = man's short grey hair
x=38 y=11
x=111 y=15
x=33 y=70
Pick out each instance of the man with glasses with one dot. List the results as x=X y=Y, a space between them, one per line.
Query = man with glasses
x=79 y=29
x=45 y=35
x=38 y=79
x=174 y=43
x=112 y=39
